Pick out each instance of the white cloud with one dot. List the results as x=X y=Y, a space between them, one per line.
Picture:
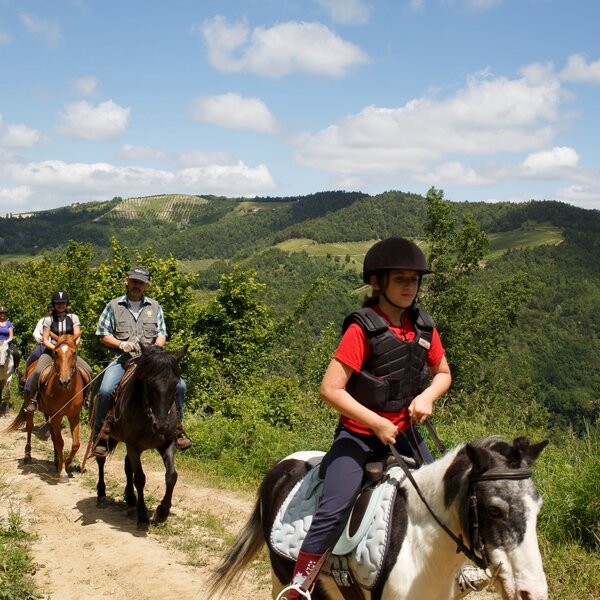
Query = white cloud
x=47 y=30
x=549 y=162
x=196 y=158
x=279 y=50
x=54 y=182
x=104 y=122
x=15 y=198
x=578 y=70
x=453 y=173
x=21 y=136
x=346 y=12
x=488 y=116
x=479 y=5
x=417 y=4
x=234 y=112
x=585 y=196
x=87 y=86
x=132 y=152
x=5 y=38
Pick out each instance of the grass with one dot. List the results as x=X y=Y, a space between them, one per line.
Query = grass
x=538 y=234
x=16 y=564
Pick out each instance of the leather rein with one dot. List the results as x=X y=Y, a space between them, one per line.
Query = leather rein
x=476 y=552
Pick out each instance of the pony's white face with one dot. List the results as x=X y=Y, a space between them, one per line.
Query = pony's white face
x=508 y=519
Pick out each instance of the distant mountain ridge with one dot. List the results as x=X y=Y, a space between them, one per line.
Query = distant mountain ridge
x=194 y=227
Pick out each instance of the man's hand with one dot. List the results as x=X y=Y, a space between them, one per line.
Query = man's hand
x=129 y=346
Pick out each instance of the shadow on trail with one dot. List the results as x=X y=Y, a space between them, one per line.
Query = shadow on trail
x=116 y=514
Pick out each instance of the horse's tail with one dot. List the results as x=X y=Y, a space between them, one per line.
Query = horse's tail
x=244 y=549
x=18 y=421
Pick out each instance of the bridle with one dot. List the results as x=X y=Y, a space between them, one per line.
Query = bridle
x=73 y=368
x=476 y=552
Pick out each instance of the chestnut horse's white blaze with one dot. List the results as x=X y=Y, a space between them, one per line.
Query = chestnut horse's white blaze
x=422 y=560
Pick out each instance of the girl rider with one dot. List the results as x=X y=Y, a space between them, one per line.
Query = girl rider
x=379 y=395
x=59 y=322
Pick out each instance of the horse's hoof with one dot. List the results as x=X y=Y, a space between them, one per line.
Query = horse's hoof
x=63 y=478
x=142 y=526
x=27 y=459
x=102 y=502
x=161 y=514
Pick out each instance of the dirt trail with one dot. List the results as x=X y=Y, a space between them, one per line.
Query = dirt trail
x=82 y=552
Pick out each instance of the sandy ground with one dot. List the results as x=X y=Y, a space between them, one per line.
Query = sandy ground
x=82 y=552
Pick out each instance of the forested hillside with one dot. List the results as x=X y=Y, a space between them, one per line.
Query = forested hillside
x=553 y=350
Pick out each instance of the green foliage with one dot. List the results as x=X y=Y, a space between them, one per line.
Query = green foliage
x=571 y=486
x=15 y=560
x=464 y=312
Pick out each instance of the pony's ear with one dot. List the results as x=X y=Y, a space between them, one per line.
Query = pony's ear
x=529 y=452
x=181 y=353
x=481 y=459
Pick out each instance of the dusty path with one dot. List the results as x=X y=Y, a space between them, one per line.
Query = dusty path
x=82 y=552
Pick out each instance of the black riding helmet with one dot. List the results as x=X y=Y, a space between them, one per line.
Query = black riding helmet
x=60 y=296
x=394 y=253
x=3 y=309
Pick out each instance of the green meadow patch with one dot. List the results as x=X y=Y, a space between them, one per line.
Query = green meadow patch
x=529 y=236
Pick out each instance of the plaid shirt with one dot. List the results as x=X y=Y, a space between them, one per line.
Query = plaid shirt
x=106 y=323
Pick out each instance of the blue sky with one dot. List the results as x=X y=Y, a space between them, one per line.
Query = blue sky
x=487 y=99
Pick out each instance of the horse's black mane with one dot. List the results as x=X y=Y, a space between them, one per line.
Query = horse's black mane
x=154 y=361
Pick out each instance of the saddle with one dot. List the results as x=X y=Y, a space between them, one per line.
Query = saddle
x=109 y=419
x=356 y=560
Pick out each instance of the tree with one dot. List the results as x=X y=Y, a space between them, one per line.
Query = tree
x=473 y=320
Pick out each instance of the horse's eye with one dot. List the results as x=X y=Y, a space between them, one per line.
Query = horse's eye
x=495 y=512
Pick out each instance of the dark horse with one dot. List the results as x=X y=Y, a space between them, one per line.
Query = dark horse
x=145 y=417
x=487 y=482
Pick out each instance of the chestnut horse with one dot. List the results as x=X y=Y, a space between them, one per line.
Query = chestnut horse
x=60 y=395
x=487 y=482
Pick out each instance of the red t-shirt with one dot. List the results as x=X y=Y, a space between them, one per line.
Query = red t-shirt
x=354 y=349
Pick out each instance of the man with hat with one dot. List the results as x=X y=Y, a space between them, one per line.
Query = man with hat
x=125 y=323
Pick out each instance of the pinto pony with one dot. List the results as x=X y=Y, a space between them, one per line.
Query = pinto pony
x=60 y=395
x=145 y=417
x=6 y=373
x=487 y=482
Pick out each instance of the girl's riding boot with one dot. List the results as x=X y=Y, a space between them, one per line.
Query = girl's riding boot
x=305 y=565
x=30 y=402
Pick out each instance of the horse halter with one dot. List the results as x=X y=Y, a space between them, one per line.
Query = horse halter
x=477 y=542
x=73 y=368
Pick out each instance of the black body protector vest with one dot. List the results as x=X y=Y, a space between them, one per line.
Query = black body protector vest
x=63 y=327
x=397 y=370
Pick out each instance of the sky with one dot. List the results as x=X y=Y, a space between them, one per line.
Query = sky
x=488 y=100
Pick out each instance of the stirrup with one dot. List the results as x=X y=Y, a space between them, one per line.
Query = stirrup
x=101 y=443
x=471 y=579
x=293 y=586
x=32 y=406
